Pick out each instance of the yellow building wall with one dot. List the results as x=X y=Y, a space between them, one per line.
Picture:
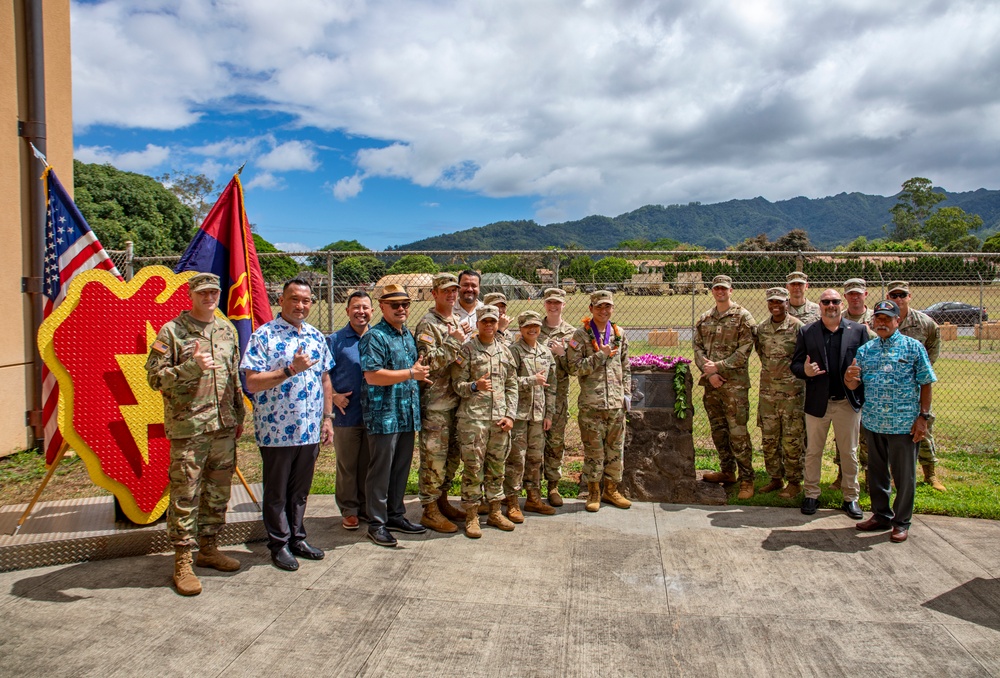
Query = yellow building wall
x=18 y=167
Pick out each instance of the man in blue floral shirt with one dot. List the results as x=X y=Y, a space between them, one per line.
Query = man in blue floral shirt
x=897 y=377
x=287 y=365
x=390 y=402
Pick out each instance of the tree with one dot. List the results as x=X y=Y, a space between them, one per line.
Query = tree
x=992 y=244
x=796 y=240
x=645 y=244
x=194 y=190
x=913 y=206
x=319 y=263
x=612 y=269
x=274 y=269
x=122 y=206
x=949 y=224
x=414 y=263
x=967 y=243
x=578 y=268
x=358 y=270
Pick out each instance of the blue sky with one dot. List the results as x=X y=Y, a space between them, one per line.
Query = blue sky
x=396 y=120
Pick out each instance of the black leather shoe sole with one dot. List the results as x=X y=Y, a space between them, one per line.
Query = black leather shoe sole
x=308 y=552
x=405 y=526
x=381 y=540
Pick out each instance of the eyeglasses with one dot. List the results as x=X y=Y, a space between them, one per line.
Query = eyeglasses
x=898 y=295
x=396 y=305
x=830 y=302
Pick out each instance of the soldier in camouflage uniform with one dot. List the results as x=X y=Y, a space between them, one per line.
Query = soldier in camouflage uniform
x=439 y=337
x=920 y=326
x=598 y=356
x=483 y=376
x=536 y=381
x=556 y=332
x=807 y=311
x=723 y=340
x=779 y=409
x=194 y=363
x=503 y=335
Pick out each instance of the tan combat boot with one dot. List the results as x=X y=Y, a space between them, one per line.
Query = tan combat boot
x=835 y=485
x=514 y=509
x=535 y=505
x=555 y=499
x=719 y=477
x=746 y=489
x=472 y=529
x=593 y=497
x=930 y=477
x=613 y=496
x=497 y=519
x=433 y=520
x=775 y=484
x=448 y=510
x=791 y=491
x=209 y=555
x=484 y=508
x=184 y=580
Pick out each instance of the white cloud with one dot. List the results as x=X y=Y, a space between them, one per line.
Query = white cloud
x=133 y=161
x=293 y=247
x=266 y=181
x=589 y=107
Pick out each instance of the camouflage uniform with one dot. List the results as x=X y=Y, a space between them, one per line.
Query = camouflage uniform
x=483 y=443
x=921 y=327
x=201 y=411
x=808 y=312
x=555 y=437
x=863 y=319
x=604 y=383
x=534 y=404
x=780 y=413
x=439 y=453
x=727 y=340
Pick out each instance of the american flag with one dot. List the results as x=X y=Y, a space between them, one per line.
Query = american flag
x=70 y=248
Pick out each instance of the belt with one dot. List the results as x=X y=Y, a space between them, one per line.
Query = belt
x=835 y=398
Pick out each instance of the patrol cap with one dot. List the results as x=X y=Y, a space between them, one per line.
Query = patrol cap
x=855 y=285
x=494 y=298
x=601 y=297
x=394 y=292
x=886 y=307
x=554 y=293
x=487 y=312
x=204 y=281
x=777 y=294
x=528 y=318
x=722 y=281
x=796 y=277
x=900 y=285
x=443 y=281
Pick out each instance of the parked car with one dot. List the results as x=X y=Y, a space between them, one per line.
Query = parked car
x=956 y=313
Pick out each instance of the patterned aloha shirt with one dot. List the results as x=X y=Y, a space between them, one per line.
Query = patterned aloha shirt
x=396 y=408
x=291 y=413
x=893 y=370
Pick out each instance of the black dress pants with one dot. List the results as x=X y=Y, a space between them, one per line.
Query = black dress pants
x=389 y=460
x=288 y=475
x=891 y=457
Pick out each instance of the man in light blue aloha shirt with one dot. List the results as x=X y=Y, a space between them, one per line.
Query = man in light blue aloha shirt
x=287 y=365
x=897 y=377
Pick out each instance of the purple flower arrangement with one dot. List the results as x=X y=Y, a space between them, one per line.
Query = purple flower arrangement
x=658 y=362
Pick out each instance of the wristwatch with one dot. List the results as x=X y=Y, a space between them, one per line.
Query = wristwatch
x=328 y=415
x=926 y=415
x=474 y=387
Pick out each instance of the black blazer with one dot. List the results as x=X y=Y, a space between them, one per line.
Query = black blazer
x=810 y=342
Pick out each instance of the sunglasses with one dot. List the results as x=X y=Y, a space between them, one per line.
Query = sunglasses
x=396 y=305
x=898 y=295
x=830 y=302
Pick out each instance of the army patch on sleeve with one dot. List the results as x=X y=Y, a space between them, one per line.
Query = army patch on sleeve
x=459 y=360
x=159 y=347
x=426 y=338
x=574 y=343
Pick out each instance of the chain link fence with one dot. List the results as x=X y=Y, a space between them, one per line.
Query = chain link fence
x=660 y=294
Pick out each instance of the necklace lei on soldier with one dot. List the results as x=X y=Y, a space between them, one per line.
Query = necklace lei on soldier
x=591 y=328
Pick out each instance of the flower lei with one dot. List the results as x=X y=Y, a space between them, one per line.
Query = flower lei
x=616 y=341
x=668 y=362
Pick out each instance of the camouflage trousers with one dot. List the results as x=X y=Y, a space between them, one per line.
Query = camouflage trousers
x=439 y=453
x=555 y=443
x=524 y=462
x=201 y=471
x=782 y=430
x=484 y=448
x=603 y=435
x=728 y=410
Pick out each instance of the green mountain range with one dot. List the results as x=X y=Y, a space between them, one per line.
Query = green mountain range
x=830 y=221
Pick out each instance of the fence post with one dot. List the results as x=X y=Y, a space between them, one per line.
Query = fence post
x=128 y=260
x=981 y=327
x=694 y=293
x=329 y=283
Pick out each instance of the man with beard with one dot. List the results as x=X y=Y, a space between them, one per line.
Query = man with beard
x=468 y=300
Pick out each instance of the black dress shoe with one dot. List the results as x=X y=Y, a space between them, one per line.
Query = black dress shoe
x=381 y=536
x=284 y=560
x=853 y=509
x=809 y=506
x=401 y=524
x=303 y=550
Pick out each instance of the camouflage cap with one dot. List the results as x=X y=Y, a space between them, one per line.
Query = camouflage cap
x=886 y=307
x=487 y=312
x=722 y=281
x=855 y=285
x=394 y=292
x=900 y=285
x=777 y=294
x=529 y=318
x=796 y=277
x=554 y=293
x=204 y=281
x=601 y=297
x=443 y=281
x=494 y=298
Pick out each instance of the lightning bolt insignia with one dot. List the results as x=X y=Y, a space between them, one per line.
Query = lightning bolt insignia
x=149 y=405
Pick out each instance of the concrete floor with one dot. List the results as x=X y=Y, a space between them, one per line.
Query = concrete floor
x=658 y=590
